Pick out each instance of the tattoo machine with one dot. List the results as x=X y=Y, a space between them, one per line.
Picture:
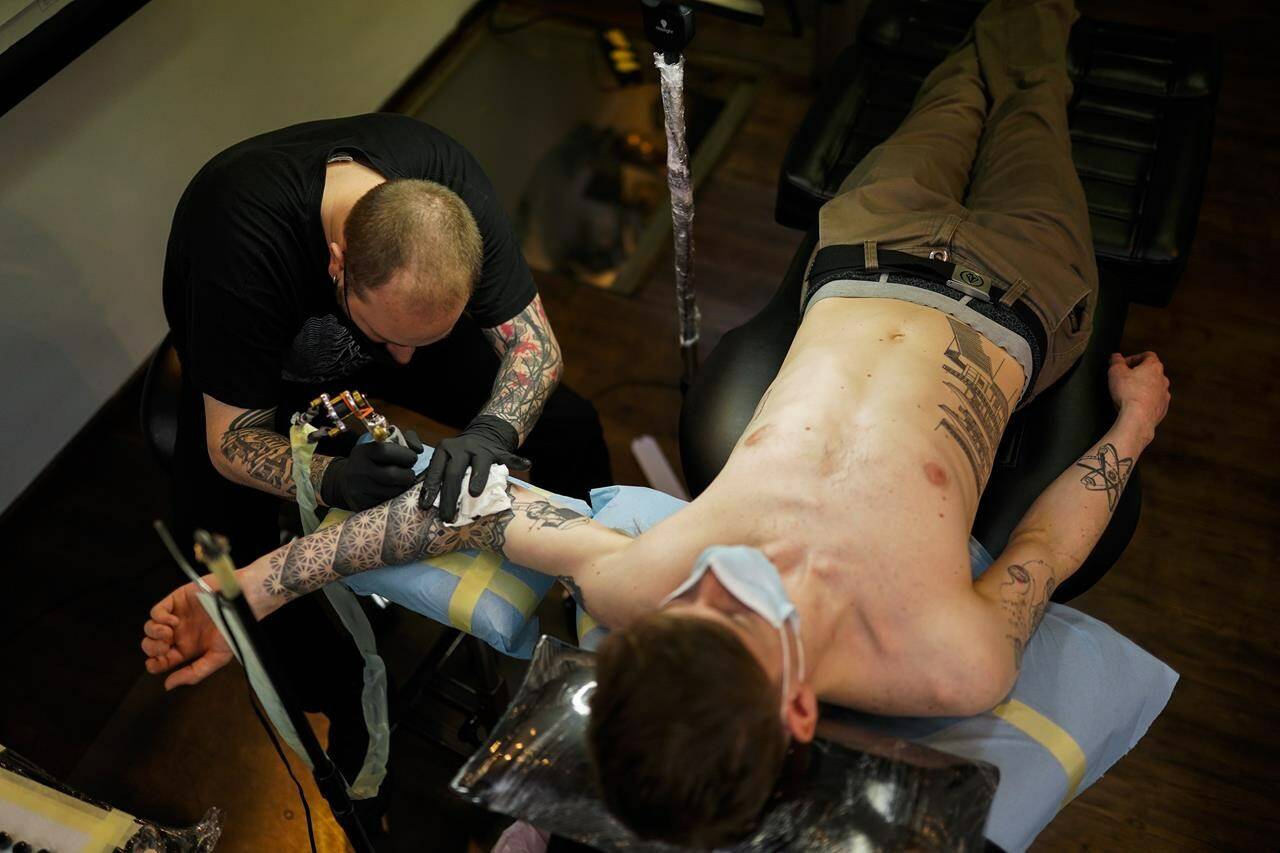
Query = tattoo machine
x=339 y=409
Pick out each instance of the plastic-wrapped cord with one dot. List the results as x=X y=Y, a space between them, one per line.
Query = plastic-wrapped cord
x=680 y=183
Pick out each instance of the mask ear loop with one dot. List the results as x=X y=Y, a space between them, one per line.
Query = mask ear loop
x=786 y=669
x=795 y=629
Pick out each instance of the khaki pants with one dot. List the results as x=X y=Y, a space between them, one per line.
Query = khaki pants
x=981 y=168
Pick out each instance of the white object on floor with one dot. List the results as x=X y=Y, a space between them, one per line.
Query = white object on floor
x=657 y=470
x=493 y=500
x=522 y=837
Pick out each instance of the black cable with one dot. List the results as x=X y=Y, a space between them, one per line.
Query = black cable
x=266 y=727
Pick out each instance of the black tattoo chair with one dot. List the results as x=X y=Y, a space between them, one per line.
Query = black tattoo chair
x=1141 y=124
x=455 y=694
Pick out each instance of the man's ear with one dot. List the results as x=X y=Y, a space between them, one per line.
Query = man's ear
x=801 y=714
x=336 y=260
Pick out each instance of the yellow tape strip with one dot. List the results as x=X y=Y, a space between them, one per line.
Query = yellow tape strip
x=105 y=830
x=1052 y=737
x=466 y=595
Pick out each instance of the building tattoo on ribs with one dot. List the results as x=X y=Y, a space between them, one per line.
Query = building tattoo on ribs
x=975 y=418
x=1107 y=473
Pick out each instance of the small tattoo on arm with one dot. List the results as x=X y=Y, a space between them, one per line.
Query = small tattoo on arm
x=1024 y=602
x=1107 y=472
x=574 y=590
x=544 y=514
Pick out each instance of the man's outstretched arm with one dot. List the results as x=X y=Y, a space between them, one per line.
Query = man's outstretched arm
x=1060 y=530
x=536 y=532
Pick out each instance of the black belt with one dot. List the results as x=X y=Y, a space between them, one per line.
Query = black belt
x=842 y=261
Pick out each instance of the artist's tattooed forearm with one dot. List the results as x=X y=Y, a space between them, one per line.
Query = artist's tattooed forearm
x=1024 y=600
x=530 y=370
x=1107 y=472
x=252 y=446
x=391 y=534
x=976 y=417
x=319 y=464
x=251 y=418
x=262 y=455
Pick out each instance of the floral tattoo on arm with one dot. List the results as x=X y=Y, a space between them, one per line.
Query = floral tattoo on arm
x=530 y=370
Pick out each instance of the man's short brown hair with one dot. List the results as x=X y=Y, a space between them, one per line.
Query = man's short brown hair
x=418 y=227
x=685 y=731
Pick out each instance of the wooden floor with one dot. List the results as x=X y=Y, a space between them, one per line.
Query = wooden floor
x=1197 y=587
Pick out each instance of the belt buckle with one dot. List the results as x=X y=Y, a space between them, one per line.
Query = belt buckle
x=970 y=282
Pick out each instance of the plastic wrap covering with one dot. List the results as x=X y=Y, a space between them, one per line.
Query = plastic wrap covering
x=201 y=838
x=43 y=813
x=849 y=790
x=680 y=184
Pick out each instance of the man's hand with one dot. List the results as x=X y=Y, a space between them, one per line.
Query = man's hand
x=181 y=632
x=488 y=440
x=1140 y=390
x=376 y=471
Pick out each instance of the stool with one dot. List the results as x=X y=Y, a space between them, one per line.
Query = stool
x=1141 y=123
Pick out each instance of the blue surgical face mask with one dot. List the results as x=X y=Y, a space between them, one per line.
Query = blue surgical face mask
x=751 y=577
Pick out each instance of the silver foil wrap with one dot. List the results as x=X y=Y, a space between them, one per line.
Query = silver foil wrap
x=864 y=792
x=680 y=184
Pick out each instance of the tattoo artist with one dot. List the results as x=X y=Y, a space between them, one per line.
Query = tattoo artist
x=371 y=253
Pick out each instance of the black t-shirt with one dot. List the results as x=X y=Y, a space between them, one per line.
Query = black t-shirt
x=246 y=285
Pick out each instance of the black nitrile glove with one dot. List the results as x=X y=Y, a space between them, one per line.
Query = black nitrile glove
x=487 y=440
x=376 y=471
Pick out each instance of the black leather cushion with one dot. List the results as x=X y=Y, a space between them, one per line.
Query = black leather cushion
x=1042 y=440
x=161 y=395
x=1141 y=126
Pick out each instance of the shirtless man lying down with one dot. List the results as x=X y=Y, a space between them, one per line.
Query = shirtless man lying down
x=829 y=558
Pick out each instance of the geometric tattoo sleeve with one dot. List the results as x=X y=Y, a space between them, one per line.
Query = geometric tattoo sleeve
x=396 y=533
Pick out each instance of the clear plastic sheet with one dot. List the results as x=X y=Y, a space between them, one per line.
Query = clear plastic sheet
x=680 y=184
x=852 y=790
x=201 y=838
x=62 y=809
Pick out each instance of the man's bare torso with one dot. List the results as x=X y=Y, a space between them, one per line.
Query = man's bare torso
x=859 y=477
